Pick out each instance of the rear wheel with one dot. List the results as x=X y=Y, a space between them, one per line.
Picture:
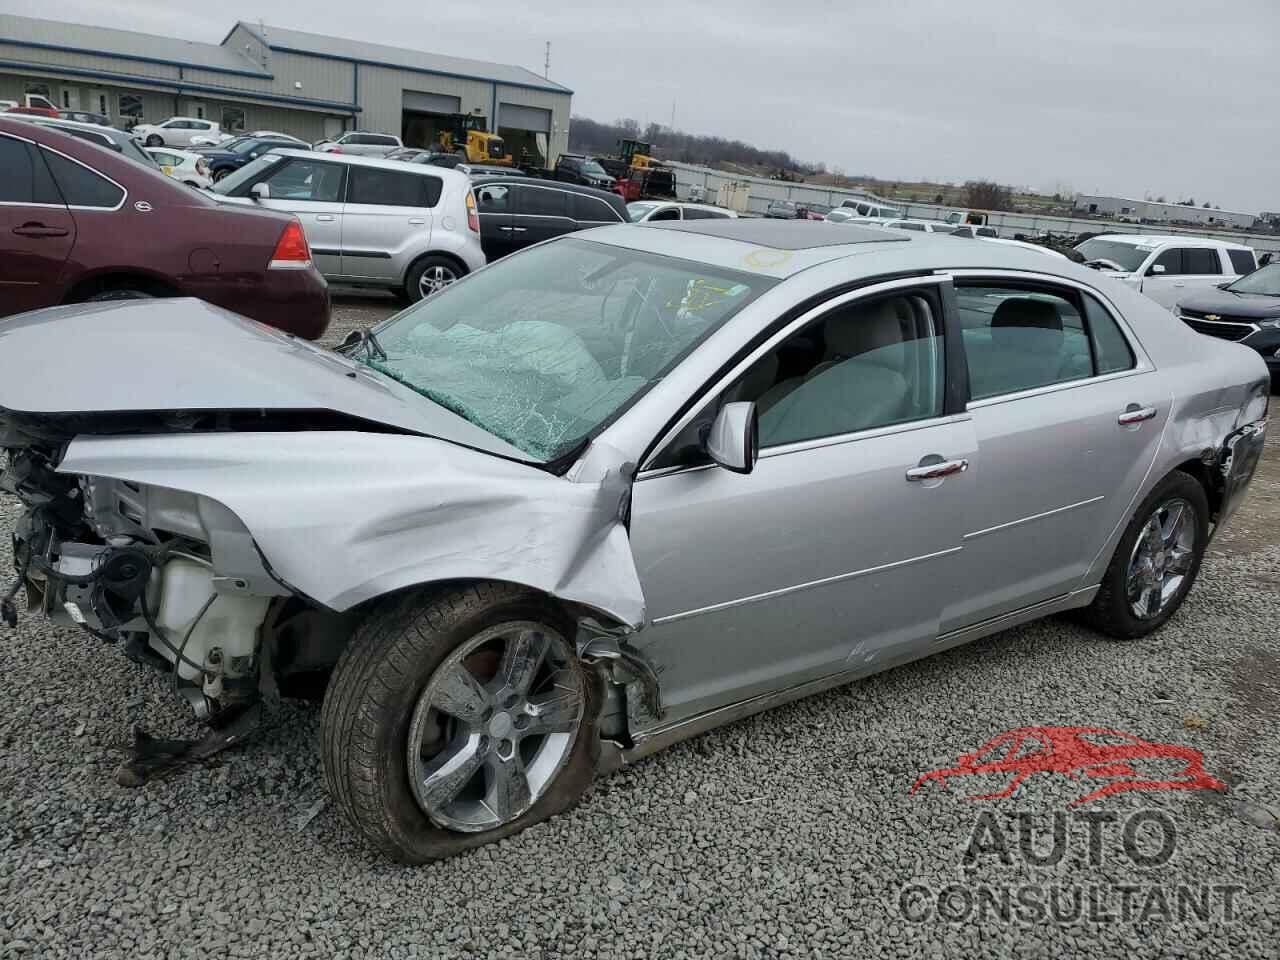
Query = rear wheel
x=457 y=718
x=431 y=275
x=155 y=140
x=1156 y=561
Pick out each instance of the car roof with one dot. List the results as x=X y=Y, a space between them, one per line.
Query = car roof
x=784 y=248
x=355 y=160
x=1155 y=240
x=55 y=122
x=549 y=184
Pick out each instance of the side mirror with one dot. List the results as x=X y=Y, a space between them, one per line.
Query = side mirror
x=253 y=155
x=733 y=441
x=1156 y=270
x=260 y=191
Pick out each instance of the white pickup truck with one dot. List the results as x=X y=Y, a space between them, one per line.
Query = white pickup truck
x=1167 y=268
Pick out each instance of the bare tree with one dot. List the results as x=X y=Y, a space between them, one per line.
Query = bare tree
x=987 y=195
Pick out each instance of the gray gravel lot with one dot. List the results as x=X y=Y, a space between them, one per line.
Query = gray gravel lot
x=789 y=834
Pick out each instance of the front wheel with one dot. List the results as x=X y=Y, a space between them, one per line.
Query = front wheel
x=1156 y=561
x=221 y=174
x=457 y=718
x=154 y=140
x=430 y=275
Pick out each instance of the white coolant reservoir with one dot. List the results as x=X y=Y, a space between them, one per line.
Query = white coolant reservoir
x=230 y=624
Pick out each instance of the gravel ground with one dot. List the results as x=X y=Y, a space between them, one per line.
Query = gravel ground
x=789 y=834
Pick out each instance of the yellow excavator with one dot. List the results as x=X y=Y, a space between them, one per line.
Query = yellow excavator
x=466 y=136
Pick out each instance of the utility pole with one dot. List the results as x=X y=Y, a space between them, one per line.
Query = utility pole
x=546 y=63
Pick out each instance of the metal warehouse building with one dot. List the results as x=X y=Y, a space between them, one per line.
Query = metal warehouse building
x=268 y=78
x=1146 y=210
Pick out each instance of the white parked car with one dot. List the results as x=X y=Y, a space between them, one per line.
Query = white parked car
x=867 y=208
x=277 y=135
x=177 y=132
x=649 y=211
x=191 y=168
x=1168 y=268
x=361 y=143
x=972 y=230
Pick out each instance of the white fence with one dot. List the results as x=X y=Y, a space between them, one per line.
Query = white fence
x=763 y=192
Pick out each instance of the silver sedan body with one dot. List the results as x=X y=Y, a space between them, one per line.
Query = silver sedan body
x=1000 y=416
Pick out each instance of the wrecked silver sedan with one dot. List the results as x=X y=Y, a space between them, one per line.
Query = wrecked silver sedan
x=609 y=493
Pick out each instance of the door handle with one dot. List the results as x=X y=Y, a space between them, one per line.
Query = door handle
x=506 y=229
x=517 y=229
x=935 y=471
x=416 y=221
x=324 y=218
x=1179 y=283
x=1136 y=415
x=40 y=230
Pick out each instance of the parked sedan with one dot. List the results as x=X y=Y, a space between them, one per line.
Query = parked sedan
x=1246 y=311
x=82 y=223
x=176 y=132
x=183 y=165
x=229 y=157
x=614 y=491
x=362 y=144
x=517 y=212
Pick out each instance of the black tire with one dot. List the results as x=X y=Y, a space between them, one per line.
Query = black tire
x=154 y=140
x=221 y=174
x=122 y=294
x=365 y=720
x=413 y=285
x=1110 y=612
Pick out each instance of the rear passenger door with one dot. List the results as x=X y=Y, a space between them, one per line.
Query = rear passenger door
x=386 y=221
x=1068 y=415
x=540 y=213
x=37 y=230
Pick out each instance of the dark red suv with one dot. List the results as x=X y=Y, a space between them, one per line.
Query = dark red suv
x=80 y=223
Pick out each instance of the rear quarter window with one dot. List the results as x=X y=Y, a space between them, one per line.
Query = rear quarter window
x=1201 y=260
x=393 y=188
x=80 y=186
x=1242 y=261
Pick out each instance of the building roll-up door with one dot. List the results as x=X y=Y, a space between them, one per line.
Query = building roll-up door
x=525 y=131
x=431 y=102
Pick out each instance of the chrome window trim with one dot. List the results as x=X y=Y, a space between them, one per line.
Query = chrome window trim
x=124 y=192
x=798 y=323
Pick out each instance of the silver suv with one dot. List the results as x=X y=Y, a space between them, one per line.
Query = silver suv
x=108 y=137
x=373 y=223
x=362 y=144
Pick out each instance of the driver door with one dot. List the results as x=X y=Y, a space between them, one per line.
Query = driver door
x=834 y=554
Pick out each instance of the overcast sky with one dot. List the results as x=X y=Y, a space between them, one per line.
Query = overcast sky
x=1174 y=97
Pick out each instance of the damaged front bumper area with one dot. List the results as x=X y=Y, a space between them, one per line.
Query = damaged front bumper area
x=173 y=577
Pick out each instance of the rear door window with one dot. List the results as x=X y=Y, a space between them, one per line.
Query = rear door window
x=494 y=198
x=542 y=202
x=592 y=210
x=392 y=188
x=1201 y=260
x=1021 y=338
x=1242 y=261
x=80 y=186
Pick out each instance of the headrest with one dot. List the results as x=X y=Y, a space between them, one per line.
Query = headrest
x=1025 y=312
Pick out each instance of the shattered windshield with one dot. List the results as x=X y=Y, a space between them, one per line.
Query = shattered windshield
x=547 y=346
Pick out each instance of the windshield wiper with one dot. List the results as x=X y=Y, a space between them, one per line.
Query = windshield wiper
x=363 y=337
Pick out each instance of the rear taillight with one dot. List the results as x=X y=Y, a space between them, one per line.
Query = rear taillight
x=292 y=252
x=473 y=218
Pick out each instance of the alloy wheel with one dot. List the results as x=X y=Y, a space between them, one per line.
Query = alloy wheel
x=434 y=279
x=495 y=724
x=1161 y=559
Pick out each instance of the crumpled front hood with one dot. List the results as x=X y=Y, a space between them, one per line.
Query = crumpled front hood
x=187 y=355
x=1252 y=306
x=345 y=517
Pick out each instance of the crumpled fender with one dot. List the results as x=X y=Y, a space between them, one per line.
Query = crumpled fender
x=347 y=516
